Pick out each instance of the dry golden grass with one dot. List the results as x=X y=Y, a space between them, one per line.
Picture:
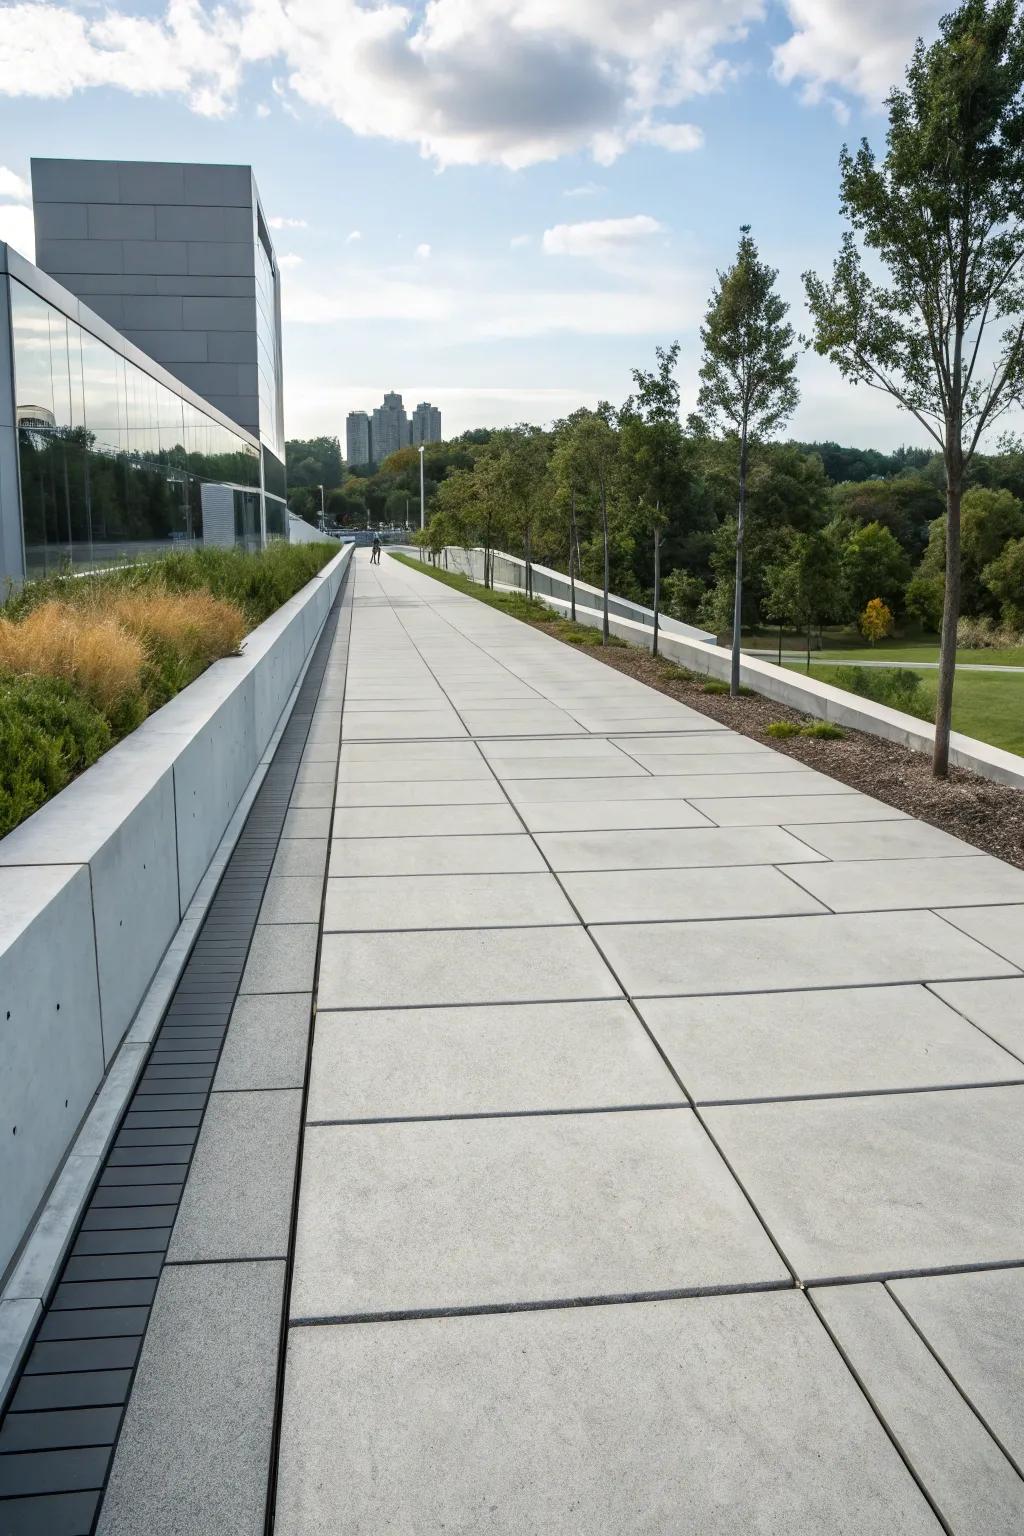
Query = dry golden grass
x=195 y=626
x=84 y=646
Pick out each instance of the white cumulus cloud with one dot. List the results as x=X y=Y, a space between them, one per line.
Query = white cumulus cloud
x=290 y=259
x=17 y=229
x=278 y=221
x=423 y=252
x=14 y=186
x=600 y=237
x=839 y=49
x=466 y=81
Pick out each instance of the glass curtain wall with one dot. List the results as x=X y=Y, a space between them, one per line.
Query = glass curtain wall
x=112 y=461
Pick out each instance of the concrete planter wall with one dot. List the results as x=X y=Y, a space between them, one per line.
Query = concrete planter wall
x=94 y=885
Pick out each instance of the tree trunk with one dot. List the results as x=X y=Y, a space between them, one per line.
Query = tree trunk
x=657 y=586
x=780 y=645
x=607 y=572
x=737 y=599
x=807 y=669
x=529 y=564
x=573 y=554
x=950 y=616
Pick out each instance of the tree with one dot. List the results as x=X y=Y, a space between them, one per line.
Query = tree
x=875 y=566
x=523 y=482
x=313 y=461
x=651 y=443
x=1005 y=579
x=943 y=212
x=989 y=519
x=876 y=622
x=807 y=589
x=587 y=457
x=748 y=385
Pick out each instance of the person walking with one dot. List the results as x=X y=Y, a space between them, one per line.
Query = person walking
x=375 y=551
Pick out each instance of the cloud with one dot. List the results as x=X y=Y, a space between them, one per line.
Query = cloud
x=518 y=241
x=679 y=138
x=513 y=82
x=14 y=186
x=599 y=237
x=279 y=222
x=352 y=236
x=289 y=260
x=18 y=229
x=588 y=189
x=856 y=50
x=423 y=252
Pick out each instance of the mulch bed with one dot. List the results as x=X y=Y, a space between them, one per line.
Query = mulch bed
x=989 y=815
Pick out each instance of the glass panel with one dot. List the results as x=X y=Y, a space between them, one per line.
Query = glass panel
x=277 y=518
x=113 y=462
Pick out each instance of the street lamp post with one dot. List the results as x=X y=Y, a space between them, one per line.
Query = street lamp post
x=423 y=515
x=323 y=515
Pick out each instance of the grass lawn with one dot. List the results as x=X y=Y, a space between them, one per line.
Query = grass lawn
x=847 y=645
x=986 y=706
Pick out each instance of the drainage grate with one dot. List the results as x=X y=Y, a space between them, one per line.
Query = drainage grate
x=58 y=1434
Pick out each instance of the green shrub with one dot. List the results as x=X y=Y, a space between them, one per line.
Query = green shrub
x=714 y=685
x=673 y=673
x=781 y=730
x=899 y=687
x=581 y=634
x=823 y=730
x=48 y=734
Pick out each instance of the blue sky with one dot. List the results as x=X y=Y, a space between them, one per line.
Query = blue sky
x=497 y=205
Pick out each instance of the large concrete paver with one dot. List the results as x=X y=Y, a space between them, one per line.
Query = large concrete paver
x=783 y=953
x=419 y=1062
x=888 y=1184
x=435 y=1215
x=804 y=1044
x=534 y=965
x=717 y=1416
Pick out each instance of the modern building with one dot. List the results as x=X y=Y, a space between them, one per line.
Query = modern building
x=179 y=259
x=358 y=445
x=105 y=453
x=426 y=424
x=389 y=428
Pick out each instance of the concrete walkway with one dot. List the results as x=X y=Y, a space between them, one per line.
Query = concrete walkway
x=662 y=1166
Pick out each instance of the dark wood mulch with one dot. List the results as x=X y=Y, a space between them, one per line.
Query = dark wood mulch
x=991 y=816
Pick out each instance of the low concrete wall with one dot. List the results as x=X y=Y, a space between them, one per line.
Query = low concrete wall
x=553 y=587
x=94 y=885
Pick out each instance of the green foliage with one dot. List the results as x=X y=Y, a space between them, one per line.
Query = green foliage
x=843 y=465
x=898 y=687
x=876 y=622
x=582 y=634
x=874 y=565
x=823 y=730
x=48 y=734
x=782 y=730
x=1004 y=578
x=923 y=601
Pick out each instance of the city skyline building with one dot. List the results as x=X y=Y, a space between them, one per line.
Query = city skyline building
x=426 y=424
x=371 y=437
x=357 y=438
x=389 y=428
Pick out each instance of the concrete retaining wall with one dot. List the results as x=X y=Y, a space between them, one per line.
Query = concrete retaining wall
x=94 y=885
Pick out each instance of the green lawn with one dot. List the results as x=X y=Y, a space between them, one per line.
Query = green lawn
x=986 y=706
x=846 y=645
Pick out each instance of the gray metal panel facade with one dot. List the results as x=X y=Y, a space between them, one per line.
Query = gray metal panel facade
x=167 y=254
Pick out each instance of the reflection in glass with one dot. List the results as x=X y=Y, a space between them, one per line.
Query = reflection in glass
x=112 y=461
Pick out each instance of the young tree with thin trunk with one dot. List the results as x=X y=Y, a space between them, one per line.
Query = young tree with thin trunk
x=654 y=467
x=748 y=384
x=586 y=458
x=943 y=213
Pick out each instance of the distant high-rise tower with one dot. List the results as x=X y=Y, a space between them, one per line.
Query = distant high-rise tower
x=390 y=428
x=358 y=449
x=426 y=424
